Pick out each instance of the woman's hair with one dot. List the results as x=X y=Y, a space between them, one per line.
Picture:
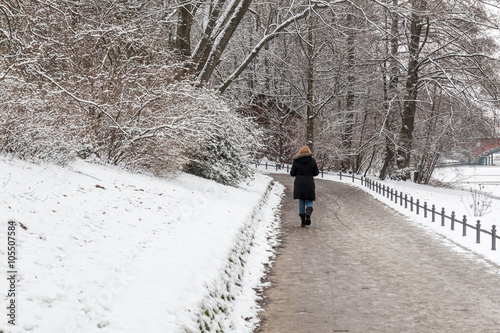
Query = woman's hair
x=304 y=150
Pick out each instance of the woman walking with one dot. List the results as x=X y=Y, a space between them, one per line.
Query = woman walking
x=304 y=168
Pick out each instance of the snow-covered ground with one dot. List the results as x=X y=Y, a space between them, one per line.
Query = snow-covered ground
x=462 y=183
x=486 y=178
x=102 y=250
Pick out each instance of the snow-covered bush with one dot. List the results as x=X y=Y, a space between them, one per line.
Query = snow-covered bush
x=185 y=128
x=180 y=128
x=39 y=125
x=228 y=150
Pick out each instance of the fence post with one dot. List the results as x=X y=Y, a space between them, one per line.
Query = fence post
x=453 y=220
x=362 y=181
x=418 y=206
x=289 y=171
x=388 y=192
x=433 y=213
x=379 y=188
x=464 y=226
x=276 y=167
x=266 y=165
x=494 y=238
x=442 y=217
x=383 y=190
x=478 y=231
x=392 y=194
x=406 y=201
x=401 y=198
x=353 y=176
x=425 y=209
x=411 y=204
x=321 y=172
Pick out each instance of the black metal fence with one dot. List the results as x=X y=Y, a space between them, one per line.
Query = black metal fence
x=283 y=167
x=413 y=204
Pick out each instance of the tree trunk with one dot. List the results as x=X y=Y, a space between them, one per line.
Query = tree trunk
x=222 y=40
x=390 y=96
x=410 y=103
x=347 y=132
x=183 y=33
x=430 y=149
x=361 y=152
x=310 y=88
x=202 y=50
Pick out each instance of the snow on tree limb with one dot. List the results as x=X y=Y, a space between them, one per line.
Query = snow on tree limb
x=266 y=39
x=221 y=42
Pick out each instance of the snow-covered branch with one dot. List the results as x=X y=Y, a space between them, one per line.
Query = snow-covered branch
x=266 y=39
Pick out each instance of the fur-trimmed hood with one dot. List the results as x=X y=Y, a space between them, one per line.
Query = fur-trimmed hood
x=299 y=155
x=304 y=151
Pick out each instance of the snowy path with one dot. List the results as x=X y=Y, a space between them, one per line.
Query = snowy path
x=362 y=267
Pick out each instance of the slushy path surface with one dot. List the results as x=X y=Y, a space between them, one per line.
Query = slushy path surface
x=362 y=267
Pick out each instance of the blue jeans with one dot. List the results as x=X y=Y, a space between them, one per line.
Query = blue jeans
x=302 y=205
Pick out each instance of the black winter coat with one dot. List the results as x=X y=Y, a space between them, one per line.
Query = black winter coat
x=304 y=169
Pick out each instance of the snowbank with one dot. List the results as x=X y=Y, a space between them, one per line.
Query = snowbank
x=103 y=250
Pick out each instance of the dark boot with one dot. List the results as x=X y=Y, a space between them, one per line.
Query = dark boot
x=309 y=211
x=303 y=220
